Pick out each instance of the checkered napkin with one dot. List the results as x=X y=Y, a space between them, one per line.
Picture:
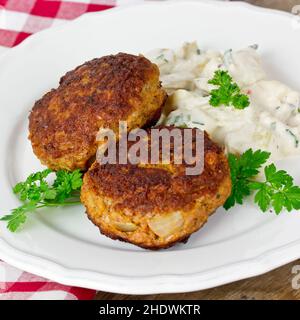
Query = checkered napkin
x=18 y=20
x=21 y=18
x=19 y=285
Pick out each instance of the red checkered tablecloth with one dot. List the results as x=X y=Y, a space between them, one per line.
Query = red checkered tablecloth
x=16 y=284
x=21 y=18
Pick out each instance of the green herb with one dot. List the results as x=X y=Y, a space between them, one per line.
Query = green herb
x=242 y=169
x=198 y=123
x=254 y=46
x=228 y=59
x=277 y=191
x=294 y=137
x=35 y=192
x=181 y=120
x=162 y=57
x=228 y=93
x=273 y=125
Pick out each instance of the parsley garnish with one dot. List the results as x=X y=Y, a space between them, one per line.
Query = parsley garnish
x=35 y=192
x=228 y=93
x=242 y=169
x=277 y=191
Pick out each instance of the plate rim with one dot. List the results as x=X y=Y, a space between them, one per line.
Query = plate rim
x=167 y=283
x=218 y=276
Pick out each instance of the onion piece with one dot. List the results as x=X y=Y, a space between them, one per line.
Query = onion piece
x=166 y=225
x=125 y=226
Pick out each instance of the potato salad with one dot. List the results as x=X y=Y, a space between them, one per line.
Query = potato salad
x=272 y=120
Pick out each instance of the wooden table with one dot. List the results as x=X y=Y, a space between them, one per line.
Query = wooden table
x=272 y=285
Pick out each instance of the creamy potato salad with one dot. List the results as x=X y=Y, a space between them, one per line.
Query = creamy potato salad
x=271 y=122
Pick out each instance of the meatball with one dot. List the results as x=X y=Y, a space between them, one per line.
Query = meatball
x=155 y=206
x=63 y=124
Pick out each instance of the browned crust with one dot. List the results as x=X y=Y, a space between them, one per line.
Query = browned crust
x=137 y=193
x=64 y=123
x=158 y=189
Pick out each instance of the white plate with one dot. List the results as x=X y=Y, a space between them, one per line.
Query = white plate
x=62 y=244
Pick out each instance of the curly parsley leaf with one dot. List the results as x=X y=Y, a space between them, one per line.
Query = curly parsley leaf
x=18 y=216
x=242 y=169
x=66 y=183
x=36 y=192
x=228 y=93
x=277 y=191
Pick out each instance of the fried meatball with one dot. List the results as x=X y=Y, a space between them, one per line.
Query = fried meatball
x=155 y=206
x=98 y=94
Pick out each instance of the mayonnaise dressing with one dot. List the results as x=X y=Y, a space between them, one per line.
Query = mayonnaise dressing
x=271 y=122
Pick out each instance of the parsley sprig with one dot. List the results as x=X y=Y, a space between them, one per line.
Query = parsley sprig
x=228 y=92
x=242 y=169
x=36 y=192
x=276 y=191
